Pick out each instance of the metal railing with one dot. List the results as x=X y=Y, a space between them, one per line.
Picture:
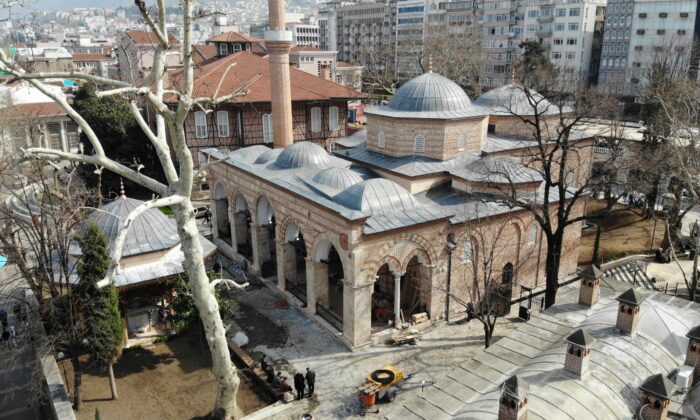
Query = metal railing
x=298 y=292
x=329 y=316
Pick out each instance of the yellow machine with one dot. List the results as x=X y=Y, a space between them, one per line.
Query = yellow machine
x=381 y=384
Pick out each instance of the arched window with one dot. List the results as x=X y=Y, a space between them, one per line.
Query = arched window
x=222 y=123
x=462 y=143
x=468 y=251
x=268 y=135
x=200 y=124
x=380 y=140
x=508 y=273
x=532 y=234
x=333 y=118
x=315 y=119
x=419 y=144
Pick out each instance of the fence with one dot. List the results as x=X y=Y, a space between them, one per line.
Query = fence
x=329 y=317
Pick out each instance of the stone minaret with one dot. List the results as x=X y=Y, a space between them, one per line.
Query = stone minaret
x=278 y=42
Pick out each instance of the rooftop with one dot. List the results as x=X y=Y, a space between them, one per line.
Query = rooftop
x=149 y=38
x=234 y=36
x=514 y=100
x=33 y=110
x=245 y=71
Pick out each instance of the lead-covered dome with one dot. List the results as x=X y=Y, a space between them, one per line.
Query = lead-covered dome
x=430 y=92
x=512 y=99
x=303 y=153
x=376 y=196
x=268 y=156
x=152 y=231
x=338 y=178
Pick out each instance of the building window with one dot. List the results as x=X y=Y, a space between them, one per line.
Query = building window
x=267 y=128
x=571 y=41
x=681 y=32
x=643 y=15
x=558 y=41
x=640 y=31
x=333 y=118
x=532 y=234
x=381 y=142
x=223 y=49
x=575 y=11
x=684 y=14
x=419 y=144
x=54 y=132
x=222 y=123
x=660 y=31
x=468 y=251
x=663 y=15
x=561 y=12
x=200 y=124
x=573 y=26
x=315 y=119
x=462 y=143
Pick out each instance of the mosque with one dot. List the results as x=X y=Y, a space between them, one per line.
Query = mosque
x=386 y=228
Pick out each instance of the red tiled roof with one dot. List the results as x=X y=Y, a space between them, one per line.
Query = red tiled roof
x=233 y=36
x=91 y=57
x=148 y=38
x=227 y=75
x=206 y=51
x=40 y=109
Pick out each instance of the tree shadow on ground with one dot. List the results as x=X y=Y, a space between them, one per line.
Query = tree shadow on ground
x=137 y=360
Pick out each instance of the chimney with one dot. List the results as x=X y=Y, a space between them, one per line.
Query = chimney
x=628 y=312
x=278 y=42
x=656 y=396
x=512 y=405
x=325 y=72
x=589 y=292
x=692 y=356
x=578 y=352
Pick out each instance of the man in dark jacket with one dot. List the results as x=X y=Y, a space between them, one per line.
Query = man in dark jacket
x=310 y=380
x=299 y=384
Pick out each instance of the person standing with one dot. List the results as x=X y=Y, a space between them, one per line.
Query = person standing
x=310 y=380
x=299 y=384
x=13 y=335
x=6 y=338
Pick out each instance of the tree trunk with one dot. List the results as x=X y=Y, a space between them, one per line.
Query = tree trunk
x=554 y=244
x=694 y=277
x=77 y=379
x=222 y=367
x=596 y=245
x=487 y=335
x=112 y=382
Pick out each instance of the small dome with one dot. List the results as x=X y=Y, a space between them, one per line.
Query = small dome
x=304 y=153
x=512 y=100
x=249 y=153
x=430 y=92
x=268 y=156
x=338 y=178
x=150 y=232
x=377 y=196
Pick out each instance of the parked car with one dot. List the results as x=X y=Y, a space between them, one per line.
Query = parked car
x=200 y=212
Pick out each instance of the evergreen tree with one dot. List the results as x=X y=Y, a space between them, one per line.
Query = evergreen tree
x=100 y=306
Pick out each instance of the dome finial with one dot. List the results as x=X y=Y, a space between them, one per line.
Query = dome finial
x=122 y=193
x=512 y=76
x=430 y=63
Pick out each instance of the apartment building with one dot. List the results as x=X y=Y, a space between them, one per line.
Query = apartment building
x=567 y=31
x=304 y=33
x=366 y=34
x=410 y=36
x=643 y=34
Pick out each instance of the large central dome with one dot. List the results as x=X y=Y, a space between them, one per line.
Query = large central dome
x=430 y=92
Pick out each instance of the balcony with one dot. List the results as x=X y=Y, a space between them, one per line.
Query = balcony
x=544 y=32
x=547 y=3
x=545 y=18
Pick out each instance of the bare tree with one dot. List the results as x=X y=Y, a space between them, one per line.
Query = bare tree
x=548 y=107
x=488 y=260
x=177 y=189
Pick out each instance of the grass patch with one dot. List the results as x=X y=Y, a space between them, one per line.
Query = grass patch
x=167 y=211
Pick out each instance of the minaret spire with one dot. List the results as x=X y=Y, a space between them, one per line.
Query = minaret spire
x=278 y=42
x=122 y=193
x=430 y=63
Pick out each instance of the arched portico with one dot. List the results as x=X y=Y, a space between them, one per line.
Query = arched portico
x=221 y=215
x=292 y=266
x=266 y=258
x=328 y=283
x=241 y=228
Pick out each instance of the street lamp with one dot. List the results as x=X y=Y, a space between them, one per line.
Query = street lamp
x=451 y=246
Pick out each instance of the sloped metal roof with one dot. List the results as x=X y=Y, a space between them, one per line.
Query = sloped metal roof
x=377 y=196
x=338 y=178
x=268 y=156
x=355 y=139
x=498 y=170
x=151 y=231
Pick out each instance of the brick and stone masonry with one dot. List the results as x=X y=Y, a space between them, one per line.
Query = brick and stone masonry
x=656 y=392
x=589 y=292
x=692 y=356
x=578 y=352
x=628 y=312
x=512 y=405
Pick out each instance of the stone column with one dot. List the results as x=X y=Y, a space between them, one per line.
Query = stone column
x=321 y=283
x=357 y=313
x=214 y=218
x=311 y=268
x=280 y=264
x=397 y=300
x=232 y=225
x=239 y=226
x=254 y=236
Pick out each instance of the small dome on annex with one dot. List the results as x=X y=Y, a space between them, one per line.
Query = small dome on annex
x=301 y=154
x=338 y=178
x=429 y=95
x=377 y=196
x=152 y=231
x=511 y=99
x=268 y=156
